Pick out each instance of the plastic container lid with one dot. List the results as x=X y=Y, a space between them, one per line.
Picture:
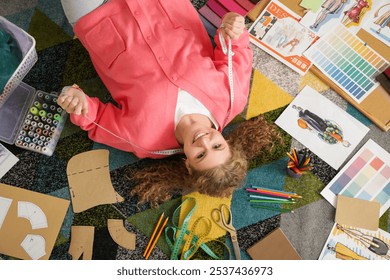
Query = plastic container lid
x=14 y=111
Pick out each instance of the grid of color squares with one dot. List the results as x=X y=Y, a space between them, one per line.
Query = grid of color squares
x=347 y=61
x=367 y=177
x=213 y=11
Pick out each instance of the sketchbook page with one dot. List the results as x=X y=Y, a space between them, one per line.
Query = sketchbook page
x=351 y=13
x=7 y=160
x=348 y=243
x=365 y=176
x=38 y=243
x=377 y=21
x=89 y=180
x=348 y=62
x=278 y=32
x=327 y=130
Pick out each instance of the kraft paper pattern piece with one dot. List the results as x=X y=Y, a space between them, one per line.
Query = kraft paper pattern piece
x=275 y=246
x=265 y=96
x=28 y=236
x=81 y=242
x=120 y=234
x=204 y=205
x=355 y=212
x=89 y=180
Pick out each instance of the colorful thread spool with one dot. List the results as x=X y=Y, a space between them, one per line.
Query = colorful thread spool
x=34 y=111
x=57 y=117
x=42 y=113
x=38 y=105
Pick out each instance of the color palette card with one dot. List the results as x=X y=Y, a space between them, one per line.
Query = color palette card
x=365 y=176
x=348 y=62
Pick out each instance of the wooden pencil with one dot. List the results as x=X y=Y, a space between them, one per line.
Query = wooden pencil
x=152 y=237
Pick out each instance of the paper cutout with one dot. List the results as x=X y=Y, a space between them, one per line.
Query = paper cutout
x=274 y=246
x=33 y=213
x=265 y=96
x=81 y=242
x=89 y=180
x=34 y=245
x=5 y=203
x=204 y=205
x=14 y=229
x=120 y=234
x=356 y=212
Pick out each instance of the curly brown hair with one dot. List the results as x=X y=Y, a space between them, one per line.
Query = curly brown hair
x=161 y=179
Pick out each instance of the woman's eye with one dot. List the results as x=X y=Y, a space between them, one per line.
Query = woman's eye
x=200 y=155
x=217 y=146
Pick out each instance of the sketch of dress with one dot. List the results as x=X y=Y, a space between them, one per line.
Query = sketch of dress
x=383 y=20
x=328 y=7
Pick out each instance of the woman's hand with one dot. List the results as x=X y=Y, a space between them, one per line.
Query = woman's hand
x=73 y=100
x=232 y=25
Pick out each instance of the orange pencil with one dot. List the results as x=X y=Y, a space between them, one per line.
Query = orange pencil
x=154 y=232
x=156 y=239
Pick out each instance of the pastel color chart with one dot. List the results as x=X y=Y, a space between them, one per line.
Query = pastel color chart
x=366 y=176
x=345 y=59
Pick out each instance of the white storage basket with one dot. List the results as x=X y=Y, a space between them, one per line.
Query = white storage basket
x=27 y=45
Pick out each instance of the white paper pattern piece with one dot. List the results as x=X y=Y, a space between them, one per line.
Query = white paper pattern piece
x=7 y=160
x=327 y=130
x=33 y=213
x=34 y=245
x=5 y=203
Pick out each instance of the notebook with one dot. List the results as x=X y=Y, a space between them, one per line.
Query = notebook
x=274 y=246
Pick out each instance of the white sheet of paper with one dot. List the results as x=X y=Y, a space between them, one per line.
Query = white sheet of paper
x=7 y=160
x=350 y=129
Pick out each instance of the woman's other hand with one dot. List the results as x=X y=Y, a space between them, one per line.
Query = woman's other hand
x=232 y=25
x=73 y=100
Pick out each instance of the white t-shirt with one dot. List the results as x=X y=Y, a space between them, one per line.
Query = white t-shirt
x=187 y=104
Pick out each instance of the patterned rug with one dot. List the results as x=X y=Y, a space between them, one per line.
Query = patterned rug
x=62 y=61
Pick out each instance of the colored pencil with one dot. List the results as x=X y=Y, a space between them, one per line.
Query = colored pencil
x=271 y=201
x=270 y=198
x=269 y=193
x=273 y=190
x=273 y=209
x=152 y=237
x=156 y=239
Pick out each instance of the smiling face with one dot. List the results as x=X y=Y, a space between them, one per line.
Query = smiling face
x=205 y=148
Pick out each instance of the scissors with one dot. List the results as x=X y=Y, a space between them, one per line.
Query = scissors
x=223 y=218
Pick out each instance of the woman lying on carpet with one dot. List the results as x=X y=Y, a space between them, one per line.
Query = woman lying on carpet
x=171 y=87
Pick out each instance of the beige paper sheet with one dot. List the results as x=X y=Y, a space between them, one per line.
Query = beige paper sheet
x=15 y=229
x=89 y=180
x=81 y=242
x=357 y=212
x=120 y=234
